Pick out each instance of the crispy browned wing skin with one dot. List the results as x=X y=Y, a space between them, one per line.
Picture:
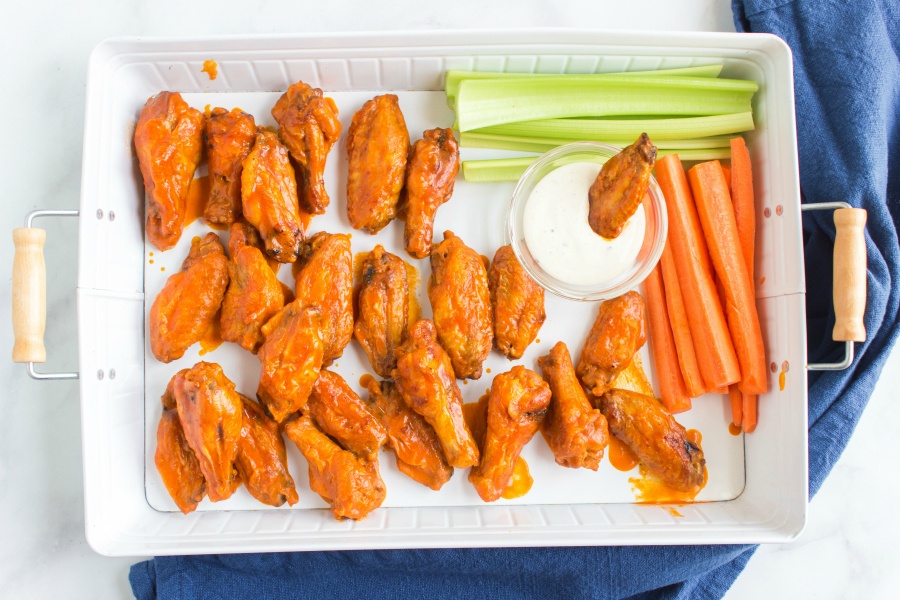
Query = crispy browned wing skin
x=254 y=293
x=461 y=304
x=377 y=147
x=186 y=307
x=262 y=458
x=425 y=380
x=326 y=280
x=211 y=414
x=168 y=140
x=659 y=441
x=309 y=126
x=576 y=433
x=518 y=304
x=351 y=486
x=620 y=188
x=291 y=357
x=430 y=174
x=414 y=442
x=177 y=465
x=229 y=138
x=516 y=405
x=618 y=333
x=269 y=197
x=338 y=411
x=383 y=305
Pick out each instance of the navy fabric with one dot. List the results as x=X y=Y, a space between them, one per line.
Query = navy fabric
x=848 y=101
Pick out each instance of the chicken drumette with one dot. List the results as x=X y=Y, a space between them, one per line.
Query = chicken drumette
x=518 y=304
x=186 y=307
x=168 y=140
x=229 y=138
x=383 y=309
x=262 y=458
x=176 y=462
x=620 y=188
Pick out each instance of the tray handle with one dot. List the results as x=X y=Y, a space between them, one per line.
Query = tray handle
x=29 y=294
x=849 y=290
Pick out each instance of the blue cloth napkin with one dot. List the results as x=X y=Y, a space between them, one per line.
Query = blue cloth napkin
x=848 y=101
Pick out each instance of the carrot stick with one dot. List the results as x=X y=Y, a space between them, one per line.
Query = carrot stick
x=671 y=385
x=718 y=362
x=684 y=343
x=751 y=405
x=737 y=404
x=727 y=170
x=717 y=218
x=742 y=199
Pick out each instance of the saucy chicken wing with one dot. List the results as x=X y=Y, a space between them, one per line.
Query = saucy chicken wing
x=518 y=304
x=189 y=302
x=326 y=280
x=168 y=141
x=308 y=125
x=461 y=304
x=414 y=442
x=576 y=433
x=254 y=293
x=383 y=305
x=658 y=440
x=338 y=411
x=262 y=458
x=377 y=147
x=351 y=486
x=424 y=377
x=291 y=357
x=516 y=406
x=620 y=188
x=269 y=197
x=176 y=462
x=229 y=138
x=618 y=333
x=211 y=412
x=430 y=174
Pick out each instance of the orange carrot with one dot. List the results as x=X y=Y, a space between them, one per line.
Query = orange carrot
x=737 y=404
x=684 y=343
x=717 y=218
x=727 y=170
x=750 y=408
x=742 y=199
x=717 y=360
x=671 y=385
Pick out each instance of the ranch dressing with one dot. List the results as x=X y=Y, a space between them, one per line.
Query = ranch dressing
x=561 y=240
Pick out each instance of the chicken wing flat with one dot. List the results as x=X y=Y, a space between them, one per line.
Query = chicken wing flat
x=518 y=304
x=291 y=357
x=187 y=305
x=430 y=175
x=229 y=138
x=168 y=141
x=516 y=406
x=659 y=441
x=351 y=486
x=618 y=333
x=309 y=126
x=377 y=147
x=424 y=377
x=414 y=442
x=461 y=304
x=176 y=462
x=383 y=305
x=620 y=188
x=211 y=414
x=269 y=197
x=576 y=433
x=254 y=293
x=262 y=458
x=326 y=280
x=338 y=411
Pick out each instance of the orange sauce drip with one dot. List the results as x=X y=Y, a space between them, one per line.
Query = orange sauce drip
x=650 y=490
x=673 y=511
x=162 y=268
x=151 y=254
x=762 y=280
x=734 y=429
x=621 y=457
x=207 y=111
x=415 y=309
x=488 y=370
x=537 y=341
x=782 y=379
x=151 y=261
x=633 y=378
x=475 y=416
x=694 y=436
x=365 y=379
x=521 y=481
x=198 y=194
x=305 y=219
x=212 y=339
x=211 y=68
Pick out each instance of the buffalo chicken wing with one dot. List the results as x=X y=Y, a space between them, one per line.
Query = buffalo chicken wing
x=383 y=304
x=229 y=138
x=518 y=304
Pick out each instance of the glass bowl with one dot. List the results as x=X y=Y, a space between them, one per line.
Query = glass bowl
x=633 y=271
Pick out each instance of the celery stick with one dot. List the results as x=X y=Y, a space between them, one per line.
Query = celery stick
x=487 y=102
x=476 y=139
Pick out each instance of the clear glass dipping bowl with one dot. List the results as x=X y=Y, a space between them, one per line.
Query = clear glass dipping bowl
x=654 y=233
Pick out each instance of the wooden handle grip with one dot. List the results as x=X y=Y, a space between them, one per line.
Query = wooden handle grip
x=849 y=275
x=29 y=295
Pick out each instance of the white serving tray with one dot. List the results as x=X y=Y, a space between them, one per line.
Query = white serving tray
x=757 y=489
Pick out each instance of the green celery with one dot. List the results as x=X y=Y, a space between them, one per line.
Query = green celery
x=476 y=139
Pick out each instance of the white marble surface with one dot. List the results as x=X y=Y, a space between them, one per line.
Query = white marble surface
x=848 y=549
